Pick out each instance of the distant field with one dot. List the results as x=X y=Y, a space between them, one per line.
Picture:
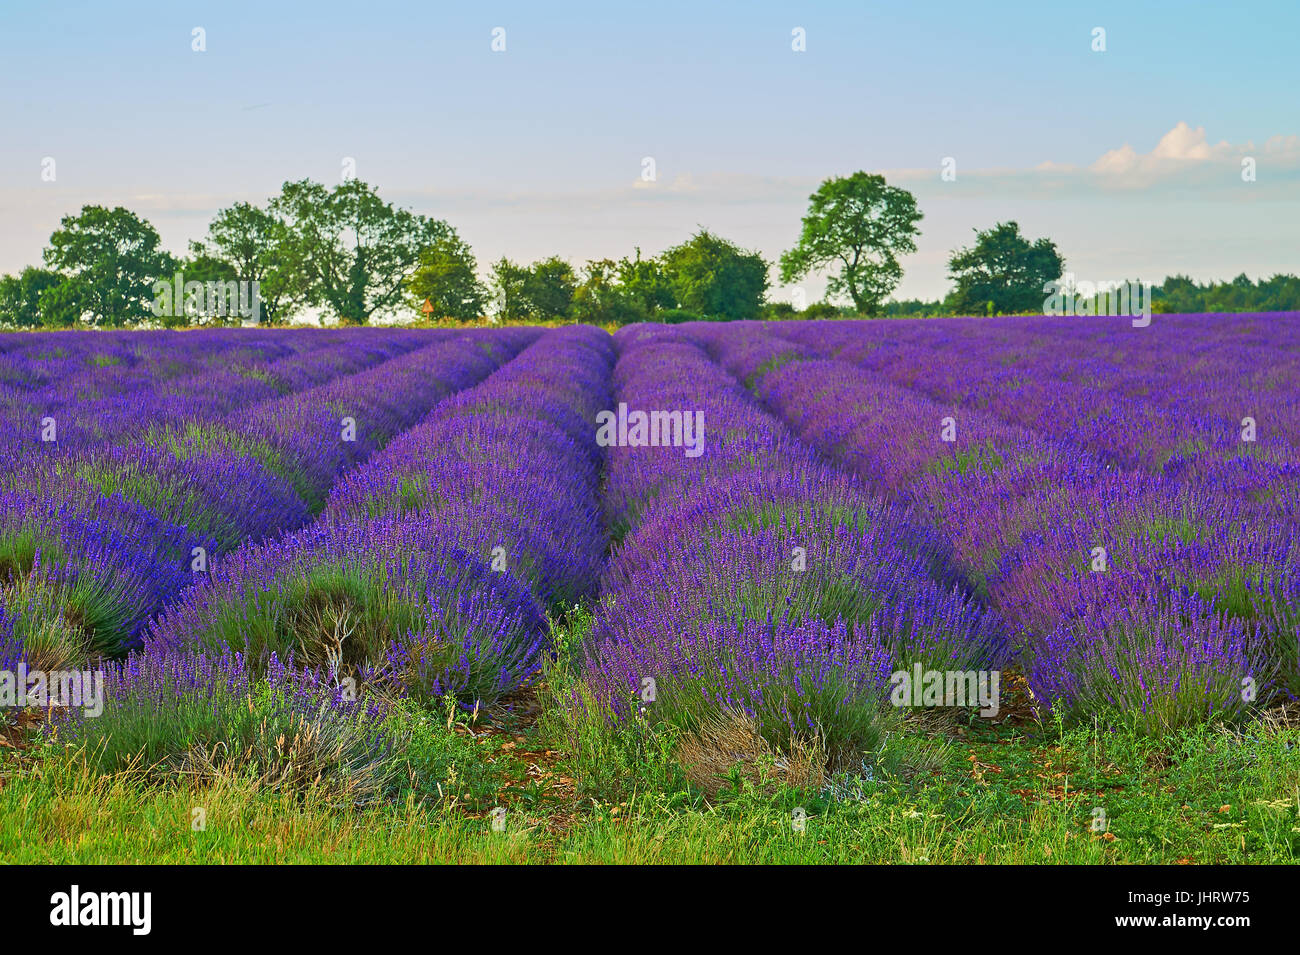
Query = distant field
x=1013 y=590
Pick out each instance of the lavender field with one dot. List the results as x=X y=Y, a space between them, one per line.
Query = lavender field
x=1015 y=589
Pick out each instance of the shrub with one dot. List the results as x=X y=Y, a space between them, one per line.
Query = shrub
x=677 y=316
x=376 y=600
x=820 y=310
x=1158 y=661
x=779 y=311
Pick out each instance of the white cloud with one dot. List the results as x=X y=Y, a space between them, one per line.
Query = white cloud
x=1183 y=159
x=1183 y=142
x=1181 y=145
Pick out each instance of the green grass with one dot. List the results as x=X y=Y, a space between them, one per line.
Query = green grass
x=62 y=813
x=935 y=789
x=996 y=795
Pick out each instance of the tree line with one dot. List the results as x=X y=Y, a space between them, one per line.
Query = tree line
x=1177 y=293
x=351 y=257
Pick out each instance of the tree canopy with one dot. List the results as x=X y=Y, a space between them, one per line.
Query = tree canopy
x=716 y=278
x=857 y=225
x=110 y=259
x=349 y=254
x=542 y=291
x=349 y=250
x=251 y=243
x=549 y=287
x=1003 y=272
x=20 y=298
x=447 y=278
x=618 y=293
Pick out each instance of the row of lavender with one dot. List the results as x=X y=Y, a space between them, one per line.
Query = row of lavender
x=834 y=516
x=65 y=390
x=429 y=574
x=752 y=577
x=94 y=539
x=1201 y=392
x=433 y=568
x=1154 y=591
x=1205 y=404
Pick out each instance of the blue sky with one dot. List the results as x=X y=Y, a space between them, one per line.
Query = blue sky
x=538 y=149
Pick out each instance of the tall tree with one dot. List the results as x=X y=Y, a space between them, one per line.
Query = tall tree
x=645 y=282
x=1003 y=272
x=549 y=287
x=507 y=289
x=67 y=304
x=858 y=225
x=254 y=243
x=543 y=290
x=603 y=298
x=114 y=257
x=347 y=249
x=716 y=278
x=212 y=306
x=448 y=278
x=20 y=297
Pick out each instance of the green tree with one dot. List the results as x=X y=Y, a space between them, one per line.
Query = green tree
x=1281 y=293
x=1237 y=295
x=618 y=293
x=254 y=243
x=215 y=274
x=1003 y=272
x=68 y=304
x=544 y=290
x=549 y=288
x=598 y=299
x=1179 y=293
x=646 y=283
x=912 y=308
x=507 y=289
x=858 y=225
x=716 y=278
x=20 y=297
x=602 y=299
x=114 y=257
x=448 y=278
x=347 y=249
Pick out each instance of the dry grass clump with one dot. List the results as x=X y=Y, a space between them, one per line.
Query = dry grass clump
x=729 y=749
x=319 y=753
